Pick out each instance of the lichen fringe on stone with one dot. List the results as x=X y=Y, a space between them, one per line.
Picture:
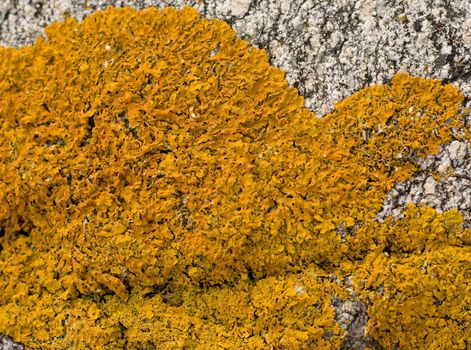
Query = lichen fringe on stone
x=161 y=186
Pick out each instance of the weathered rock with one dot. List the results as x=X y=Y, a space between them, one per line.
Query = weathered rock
x=6 y=343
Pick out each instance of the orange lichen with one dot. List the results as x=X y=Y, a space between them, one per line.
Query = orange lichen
x=418 y=292
x=161 y=185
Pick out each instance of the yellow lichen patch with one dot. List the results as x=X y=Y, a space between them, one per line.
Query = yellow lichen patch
x=291 y=312
x=418 y=293
x=160 y=184
x=380 y=128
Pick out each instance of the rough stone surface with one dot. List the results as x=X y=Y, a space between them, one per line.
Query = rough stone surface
x=451 y=189
x=329 y=49
x=6 y=343
x=352 y=316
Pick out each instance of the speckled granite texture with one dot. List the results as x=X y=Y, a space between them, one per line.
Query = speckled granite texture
x=6 y=343
x=329 y=49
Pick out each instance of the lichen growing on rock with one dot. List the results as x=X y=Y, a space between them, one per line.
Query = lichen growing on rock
x=163 y=187
x=415 y=278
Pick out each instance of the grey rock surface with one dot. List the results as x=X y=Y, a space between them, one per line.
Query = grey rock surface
x=6 y=343
x=328 y=49
x=451 y=191
x=352 y=316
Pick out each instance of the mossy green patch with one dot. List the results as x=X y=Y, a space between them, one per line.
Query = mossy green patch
x=162 y=186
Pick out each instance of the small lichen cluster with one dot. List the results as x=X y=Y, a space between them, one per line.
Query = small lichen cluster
x=162 y=187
